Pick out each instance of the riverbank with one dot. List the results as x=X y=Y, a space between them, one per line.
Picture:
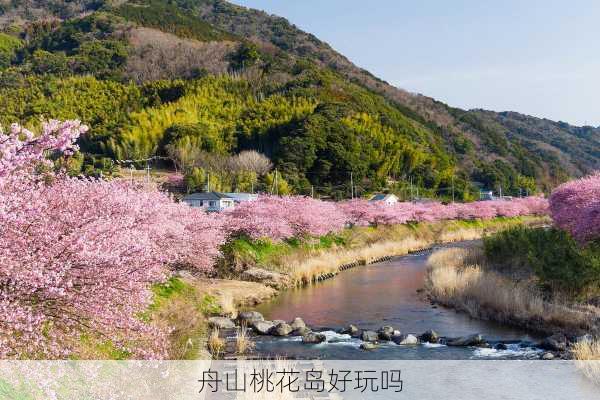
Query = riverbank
x=464 y=280
x=256 y=271
x=295 y=263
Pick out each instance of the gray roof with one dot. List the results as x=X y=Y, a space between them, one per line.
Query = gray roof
x=206 y=196
x=379 y=197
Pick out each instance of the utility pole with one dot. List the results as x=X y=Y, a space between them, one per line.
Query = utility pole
x=208 y=182
x=276 y=185
x=500 y=192
x=147 y=172
x=312 y=191
x=411 y=189
x=131 y=168
x=252 y=187
x=453 y=188
x=351 y=186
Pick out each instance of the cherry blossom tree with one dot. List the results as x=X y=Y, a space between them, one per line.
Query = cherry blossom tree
x=575 y=207
x=79 y=255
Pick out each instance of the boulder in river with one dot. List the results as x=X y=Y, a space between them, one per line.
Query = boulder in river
x=405 y=340
x=501 y=346
x=221 y=323
x=249 y=317
x=369 y=336
x=556 y=342
x=281 y=329
x=368 y=346
x=301 y=331
x=430 y=336
x=466 y=341
x=297 y=323
x=262 y=327
x=547 y=356
x=351 y=330
x=313 y=338
x=386 y=333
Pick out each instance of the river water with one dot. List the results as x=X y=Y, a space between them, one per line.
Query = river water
x=383 y=294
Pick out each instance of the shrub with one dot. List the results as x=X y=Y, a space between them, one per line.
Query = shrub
x=552 y=254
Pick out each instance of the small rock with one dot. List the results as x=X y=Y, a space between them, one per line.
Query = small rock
x=472 y=340
x=429 y=336
x=369 y=336
x=281 y=329
x=368 y=346
x=501 y=346
x=313 y=338
x=351 y=330
x=556 y=342
x=301 y=331
x=548 y=356
x=249 y=317
x=297 y=323
x=279 y=321
x=386 y=333
x=405 y=339
x=262 y=327
x=221 y=323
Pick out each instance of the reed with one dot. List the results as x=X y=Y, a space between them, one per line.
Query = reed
x=587 y=354
x=456 y=278
x=215 y=344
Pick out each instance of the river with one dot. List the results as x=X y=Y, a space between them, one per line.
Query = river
x=383 y=294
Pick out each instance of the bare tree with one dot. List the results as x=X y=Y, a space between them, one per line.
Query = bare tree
x=253 y=161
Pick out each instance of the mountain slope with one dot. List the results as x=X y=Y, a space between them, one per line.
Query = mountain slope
x=145 y=84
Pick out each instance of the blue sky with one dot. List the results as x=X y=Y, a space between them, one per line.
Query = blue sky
x=537 y=57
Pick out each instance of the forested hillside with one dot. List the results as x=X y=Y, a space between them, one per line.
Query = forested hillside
x=199 y=81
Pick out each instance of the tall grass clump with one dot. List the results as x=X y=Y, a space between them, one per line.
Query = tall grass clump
x=587 y=354
x=459 y=278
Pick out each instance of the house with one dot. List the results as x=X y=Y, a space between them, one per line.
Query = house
x=485 y=195
x=210 y=201
x=242 y=197
x=388 y=199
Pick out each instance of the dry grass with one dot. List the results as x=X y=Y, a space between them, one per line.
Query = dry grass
x=306 y=270
x=227 y=304
x=457 y=279
x=215 y=344
x=243 y=343
x=587 y=354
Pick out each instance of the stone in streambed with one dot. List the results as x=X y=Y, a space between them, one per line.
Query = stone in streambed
x=297 y=323
x=368 y=346
x=313 y=338
x=386 y=333
x=556 y=342
x=547 y=356
x=369 y=336
x=249 y=316
x=281 y=329
x=351 y=330
x=430 y=336
x=301 y=331
x=221 y=323
x=405 y=340
x=501 y=346
x=263 y=327
x=467 y=341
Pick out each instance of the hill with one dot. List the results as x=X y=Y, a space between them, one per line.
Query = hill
x=195 y=78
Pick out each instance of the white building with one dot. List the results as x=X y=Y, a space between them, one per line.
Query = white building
x=388 y=199
x=242 y=197
x=211 y=201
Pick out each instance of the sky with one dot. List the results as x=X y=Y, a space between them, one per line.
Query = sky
x=537 y=57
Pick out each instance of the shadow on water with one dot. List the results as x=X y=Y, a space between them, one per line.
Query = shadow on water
x=382 y=294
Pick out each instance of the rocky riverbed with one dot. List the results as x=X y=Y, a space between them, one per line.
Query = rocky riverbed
x=296 y=332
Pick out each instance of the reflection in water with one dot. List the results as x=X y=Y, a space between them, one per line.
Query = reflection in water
x=370 y=297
